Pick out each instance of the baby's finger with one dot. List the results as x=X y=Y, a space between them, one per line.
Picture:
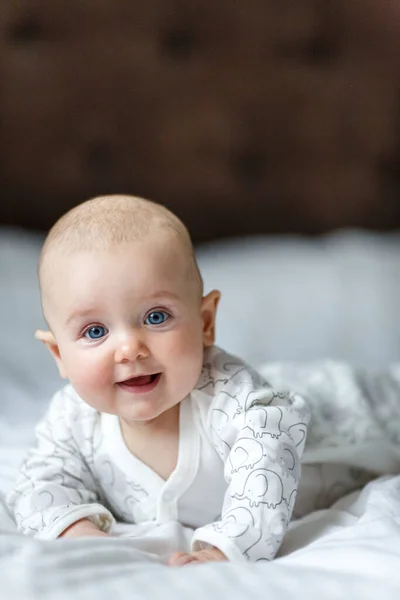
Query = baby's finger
x=179 y=559
x=188 y=559
x=174 y=557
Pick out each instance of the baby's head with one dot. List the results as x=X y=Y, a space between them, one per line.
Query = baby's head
x=123 y=298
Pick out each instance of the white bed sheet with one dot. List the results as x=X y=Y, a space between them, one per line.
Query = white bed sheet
x=283 y=299
x=350 y=551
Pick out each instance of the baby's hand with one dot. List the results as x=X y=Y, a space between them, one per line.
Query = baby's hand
x=179 y=559
x=83 y=528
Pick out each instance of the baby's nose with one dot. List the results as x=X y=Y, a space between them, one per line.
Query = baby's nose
x=130 y=350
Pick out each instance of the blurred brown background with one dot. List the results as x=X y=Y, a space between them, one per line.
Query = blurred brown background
x=250 y=116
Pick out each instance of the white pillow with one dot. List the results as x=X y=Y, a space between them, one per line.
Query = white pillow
x=295 y=299
x=27 y=371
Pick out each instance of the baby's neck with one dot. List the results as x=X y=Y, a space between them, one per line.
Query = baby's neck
x=156 y=442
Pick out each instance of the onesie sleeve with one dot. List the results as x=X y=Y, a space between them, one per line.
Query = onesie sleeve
x=55 y=487
x=260 y=435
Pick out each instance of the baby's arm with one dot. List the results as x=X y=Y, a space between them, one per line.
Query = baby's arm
x=260 y=435
x=55 y=493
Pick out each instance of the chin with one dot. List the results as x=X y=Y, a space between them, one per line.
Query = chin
x=141 y=416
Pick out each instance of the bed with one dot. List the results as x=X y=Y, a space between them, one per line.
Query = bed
x=351 y=548
x=272 y=130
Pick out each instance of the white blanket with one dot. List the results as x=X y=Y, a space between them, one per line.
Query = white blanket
x=350 y=551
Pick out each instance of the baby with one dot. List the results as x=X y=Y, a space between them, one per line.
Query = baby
x=157 y=424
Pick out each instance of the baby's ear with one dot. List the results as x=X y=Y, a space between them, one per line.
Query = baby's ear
x=209 y=312
x=46 y=337
x=50 y=341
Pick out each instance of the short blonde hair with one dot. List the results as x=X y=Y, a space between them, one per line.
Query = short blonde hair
x=106 y=221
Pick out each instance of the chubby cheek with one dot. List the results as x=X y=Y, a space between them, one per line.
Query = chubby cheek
x=90 y=375
x=182 y=358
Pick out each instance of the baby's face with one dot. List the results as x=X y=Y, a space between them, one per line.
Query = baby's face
x=129 y=325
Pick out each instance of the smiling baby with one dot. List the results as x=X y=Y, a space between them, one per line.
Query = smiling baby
x=156 y=424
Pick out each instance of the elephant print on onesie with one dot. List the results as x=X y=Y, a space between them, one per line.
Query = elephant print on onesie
x=246 y=453
x=262 y=486
x=209 y=382
x=238 y=524
x=227 y=366
x=222 y=373
x=298 y=433
x=217 y=371
x=287 y=458
x=262 y=421
x=114 y=482
x=52 y=497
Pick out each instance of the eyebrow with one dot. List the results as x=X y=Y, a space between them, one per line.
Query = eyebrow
x=79 y=314
x=165 y=294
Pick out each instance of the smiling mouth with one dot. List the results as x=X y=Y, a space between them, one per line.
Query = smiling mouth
x=140 y=384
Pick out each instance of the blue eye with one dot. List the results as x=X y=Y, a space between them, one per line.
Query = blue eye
x=96 y=332
x=157 y=317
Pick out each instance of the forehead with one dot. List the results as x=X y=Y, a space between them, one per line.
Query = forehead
x=139 y=268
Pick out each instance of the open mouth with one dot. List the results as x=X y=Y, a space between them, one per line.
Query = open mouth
x=140 y=384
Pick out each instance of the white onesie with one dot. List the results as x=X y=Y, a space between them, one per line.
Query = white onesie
x=235 y=481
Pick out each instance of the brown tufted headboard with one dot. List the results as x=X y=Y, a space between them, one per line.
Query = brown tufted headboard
x=243 y=116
